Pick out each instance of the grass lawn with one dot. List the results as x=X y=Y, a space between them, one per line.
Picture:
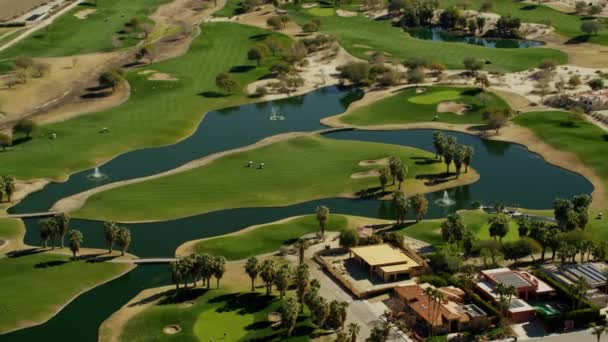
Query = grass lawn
x=409 y=107
x=564 y=23
x=267 y=238
x=11 y=229
x=37 y=285
x=475 y=220
x=360 y=36
x=216 y=315
x=297 y=170
x=68 y=35
x=157 y=113
x=568 y=132
x=231 y=8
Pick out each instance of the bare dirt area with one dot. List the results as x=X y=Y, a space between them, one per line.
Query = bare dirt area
x=161 y=76
x=582 y=54
x=10 y=9
x=365 y=174
x=453 y=107
x=258 y=18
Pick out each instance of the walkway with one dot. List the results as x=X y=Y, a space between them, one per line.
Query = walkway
x=33 y=215
x=143 y=261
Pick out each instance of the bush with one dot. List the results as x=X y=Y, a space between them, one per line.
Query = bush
x=433 y=279
x=349 y=238
x=356 y=72
x=310 y=27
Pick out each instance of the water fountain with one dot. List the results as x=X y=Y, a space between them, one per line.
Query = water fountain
x=275 y=116
x=97 y=175
x=445 y=201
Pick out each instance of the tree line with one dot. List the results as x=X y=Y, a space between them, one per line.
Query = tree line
x=195 y=267
x=448 y=150
x=24 y=127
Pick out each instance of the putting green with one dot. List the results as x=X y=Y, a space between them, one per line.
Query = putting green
x=297 y=170
x=436 y=97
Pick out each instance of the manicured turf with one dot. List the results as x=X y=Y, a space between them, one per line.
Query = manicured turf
x=568 y=132
x=217 y=315
x=35 y=286
x=231 y=8
x=360 y=36
x=68 y=35
x=475 y=220
x=409 y=107
x=267 y=238
x=322 y=11
x=11 y=229
x=157 y=113
x=565 y=24
x=299 y=169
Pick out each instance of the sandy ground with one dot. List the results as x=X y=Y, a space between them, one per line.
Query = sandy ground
x=11 y=8
x=455 y=107
x=83 y=14
x=346 y=14
x=377 y=162
x=583 y=54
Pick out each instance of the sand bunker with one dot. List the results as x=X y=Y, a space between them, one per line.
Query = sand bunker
x=147 y=72
x=383 y=162
x=453 y=107
x=83 y=14
x=309 y=5
x=346 y=14
x=172 y=329
x=275 y=319
x=161 y=76
x=365 y=174
x=362 y=46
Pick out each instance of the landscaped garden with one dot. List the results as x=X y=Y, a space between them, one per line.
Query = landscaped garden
x=457 y=105
x=35 y=286
x=361 y=36
x=313 y=167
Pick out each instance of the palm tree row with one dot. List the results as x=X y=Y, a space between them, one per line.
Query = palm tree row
x=113 y=234
x=435 y=297
x=7 y=187
x=197 y=267
x=452 y=152
x=53 y=229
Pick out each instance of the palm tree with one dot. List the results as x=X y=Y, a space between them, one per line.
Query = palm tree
x=401 y=204
x=76 y=239
x=401 y=174
x=123 y=239
x=429 y=292
x=8 y=186
x=322 y=213
x=301 y=278
x=176 y=274
x=48 y=231
x=301 y=245
x=469 y=151
x=267 y=272
x=598 y=330
x=62 y=222
x=383 y=178
x=219 y=268
x=394 y=164
x=420 y=205
x=110 y=233
x=439 y=144
x=353 y=331
x=448 y=156
x=281 y=280
x=579 y=289
x=207 y=270
x=289 y=314
x=252 y=269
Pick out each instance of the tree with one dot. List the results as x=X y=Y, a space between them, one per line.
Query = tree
x=76 y=238
x=310 y=27
x=281 y=280
x=439 y=142
x=598 y=330
x=482 y=80
x=337 y=314
x=111 y=78
x=579 y=290
x=255 y=54
x=8 y=186
x=596 y=84
x=401 y=174
x=289 y=314
x=574 y=81
x=449 y=17
x=252 y=268
x=415 y=76
x=267 y=273
x=63 y=222
x=45 y=233
x=301 y=278
x=219 y=268
x=383 y=177
x=110 y=234
x=468 y=241
x=276 y=23
x=5 y=141
x=453 y=228
x=349 y=238
x=225 y=82
x=580 y=6
x=25 y=126
x=400 y=204
x=379 y=333
x=591 y=27
x=499 y=226
x=473 y=65
x=420 y=205
x=356 y=72
x=459 y=155
x=496 y=118
x=123 y=239
x=481 y=21
x=176 y=273
x=48 y=231
x=518 y=249
x=353 y=331
x=394 y=164
x=472 y=26
x=322 y=215
x=469 y=151
x=595 y=10
x=448 y=156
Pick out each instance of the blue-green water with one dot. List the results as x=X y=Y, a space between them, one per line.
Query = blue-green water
x=437 y=34
x=509 y=174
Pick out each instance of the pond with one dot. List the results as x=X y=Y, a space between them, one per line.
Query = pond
x=509 y=174
x=437 y=34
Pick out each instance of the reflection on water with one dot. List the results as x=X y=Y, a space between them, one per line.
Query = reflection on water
x=437 y=34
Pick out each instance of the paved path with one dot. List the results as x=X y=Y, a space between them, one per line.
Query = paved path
x=142 y=261
x=31 y=215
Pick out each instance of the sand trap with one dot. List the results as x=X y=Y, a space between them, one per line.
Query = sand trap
x=172 y=329
x=275 y=319
x=346 y=14
x=362 y=46
x=453 y=107
x=83 y=14
x=420 y=90
x=366 y=174
x=161 y=76
x=309 y=5
x=383 y=161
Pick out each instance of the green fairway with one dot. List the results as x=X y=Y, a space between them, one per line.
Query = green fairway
x=568 y=132
x=409 y=107
x=35 y=286
x=69 y=35
x=216 y=315
x=11 y=229
x=322 y=11
x=267 y=238
x=475 y=220
x=157 y=113
x=361 y=36
x=567 y=24
x=297 y=170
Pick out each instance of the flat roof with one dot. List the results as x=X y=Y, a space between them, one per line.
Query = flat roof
x=472 y=310
x=518 y=305
x=397 y=268
x=593 y=275
x=383 y=254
